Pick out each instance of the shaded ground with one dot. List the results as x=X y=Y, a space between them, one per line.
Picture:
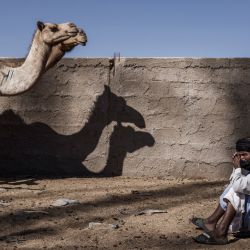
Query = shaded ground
x=28 y=221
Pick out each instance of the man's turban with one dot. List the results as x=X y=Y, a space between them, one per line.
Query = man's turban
x=243 y=144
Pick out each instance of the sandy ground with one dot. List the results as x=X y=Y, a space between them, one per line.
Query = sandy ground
x=29 y=221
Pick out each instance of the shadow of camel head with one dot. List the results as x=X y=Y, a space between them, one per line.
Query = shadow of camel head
x=119 y=111
x=123 y=140
x=130 y=139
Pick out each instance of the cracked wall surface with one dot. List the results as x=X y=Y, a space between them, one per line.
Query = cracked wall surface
x=177 y=117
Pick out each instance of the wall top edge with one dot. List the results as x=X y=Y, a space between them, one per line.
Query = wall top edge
x=188 y=58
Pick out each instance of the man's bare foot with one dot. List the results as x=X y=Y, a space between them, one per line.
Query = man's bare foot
x=209 y=225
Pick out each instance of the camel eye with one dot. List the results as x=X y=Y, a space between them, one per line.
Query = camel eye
x=54 y=29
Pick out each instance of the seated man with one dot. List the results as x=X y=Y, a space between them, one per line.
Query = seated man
x=234 y=205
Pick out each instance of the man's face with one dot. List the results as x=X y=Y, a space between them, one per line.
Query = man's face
x=244 y=155
x=244 y=159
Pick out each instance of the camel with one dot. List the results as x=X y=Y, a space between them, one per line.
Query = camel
x=17 y=80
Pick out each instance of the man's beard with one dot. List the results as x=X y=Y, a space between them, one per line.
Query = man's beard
x=245 y=164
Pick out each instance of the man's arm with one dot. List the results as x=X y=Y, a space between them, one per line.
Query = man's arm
x=239 y=180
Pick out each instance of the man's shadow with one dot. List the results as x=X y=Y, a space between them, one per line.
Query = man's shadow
x=36 y=150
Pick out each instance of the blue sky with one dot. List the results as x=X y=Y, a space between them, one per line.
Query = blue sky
x=135 y=28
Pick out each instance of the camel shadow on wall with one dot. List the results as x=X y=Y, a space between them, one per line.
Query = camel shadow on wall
x=36 y=150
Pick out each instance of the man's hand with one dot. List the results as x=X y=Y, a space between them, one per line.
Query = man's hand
x=236 y=160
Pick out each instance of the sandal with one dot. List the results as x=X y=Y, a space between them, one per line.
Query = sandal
x=209 y=239
x=199 y=222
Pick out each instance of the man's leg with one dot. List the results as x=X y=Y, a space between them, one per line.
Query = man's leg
x=211 y=221
x=225 y=208
x=222 y=227
x=219 y=235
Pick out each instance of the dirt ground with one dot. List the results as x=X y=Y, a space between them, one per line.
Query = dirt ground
x=29 y=221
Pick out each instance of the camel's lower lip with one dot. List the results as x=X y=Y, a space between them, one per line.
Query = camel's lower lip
x=83 y=43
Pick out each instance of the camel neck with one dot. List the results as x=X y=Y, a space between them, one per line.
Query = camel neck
x=37 y=57
x=14 y=81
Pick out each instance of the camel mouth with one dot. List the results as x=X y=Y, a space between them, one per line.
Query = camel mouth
x=83 y=43
x=72 y=33
x=82 y=40
x=59 y=39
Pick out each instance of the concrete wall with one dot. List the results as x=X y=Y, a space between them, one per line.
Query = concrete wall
x=155 y=117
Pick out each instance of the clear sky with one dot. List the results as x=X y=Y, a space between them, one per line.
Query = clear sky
x=135 y=28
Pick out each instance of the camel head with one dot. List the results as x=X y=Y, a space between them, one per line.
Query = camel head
x=60 y=49
x=69 y=44
x=53 y=34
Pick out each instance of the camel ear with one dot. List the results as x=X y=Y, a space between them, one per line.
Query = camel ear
x=40 y=25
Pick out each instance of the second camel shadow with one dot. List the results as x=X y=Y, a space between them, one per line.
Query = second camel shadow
x=36 y=150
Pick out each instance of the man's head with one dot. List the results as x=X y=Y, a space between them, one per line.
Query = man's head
x=243 y=151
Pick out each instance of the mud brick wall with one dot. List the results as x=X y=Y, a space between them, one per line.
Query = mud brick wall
x=177 y=117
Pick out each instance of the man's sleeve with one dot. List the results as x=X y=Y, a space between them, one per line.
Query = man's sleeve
x=240 y=182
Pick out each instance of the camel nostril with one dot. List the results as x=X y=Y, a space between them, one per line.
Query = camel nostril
x=72 y=25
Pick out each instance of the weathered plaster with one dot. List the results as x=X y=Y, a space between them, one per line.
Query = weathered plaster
x=163 y=117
